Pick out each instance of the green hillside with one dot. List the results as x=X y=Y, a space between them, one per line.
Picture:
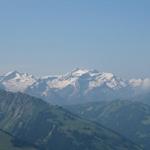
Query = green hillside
x=131 y=119
x=6 y=143
x=32 y=121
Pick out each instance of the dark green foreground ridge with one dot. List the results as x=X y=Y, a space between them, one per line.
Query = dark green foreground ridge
x=33 y=122
x=6 y=143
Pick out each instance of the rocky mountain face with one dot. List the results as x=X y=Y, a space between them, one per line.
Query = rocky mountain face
x=32 y=121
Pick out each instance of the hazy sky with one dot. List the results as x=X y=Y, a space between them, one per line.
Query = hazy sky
x=54 y=36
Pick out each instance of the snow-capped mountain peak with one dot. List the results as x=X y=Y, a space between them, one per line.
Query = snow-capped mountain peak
x=11 y=74
x=107 y=79
x=15 y=81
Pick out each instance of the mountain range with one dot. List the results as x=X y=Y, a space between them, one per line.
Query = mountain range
x=117 y=110
x=77 y=86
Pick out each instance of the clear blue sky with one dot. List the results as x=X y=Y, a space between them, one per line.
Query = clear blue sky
x=54 y=36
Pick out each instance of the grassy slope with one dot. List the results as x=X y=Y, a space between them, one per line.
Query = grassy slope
x=6 y=144
x=54 y=128
x=131 y=119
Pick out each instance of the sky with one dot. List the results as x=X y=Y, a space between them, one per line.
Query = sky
x=55 y=36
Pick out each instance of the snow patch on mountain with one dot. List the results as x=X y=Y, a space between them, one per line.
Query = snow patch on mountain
x=78 y=72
